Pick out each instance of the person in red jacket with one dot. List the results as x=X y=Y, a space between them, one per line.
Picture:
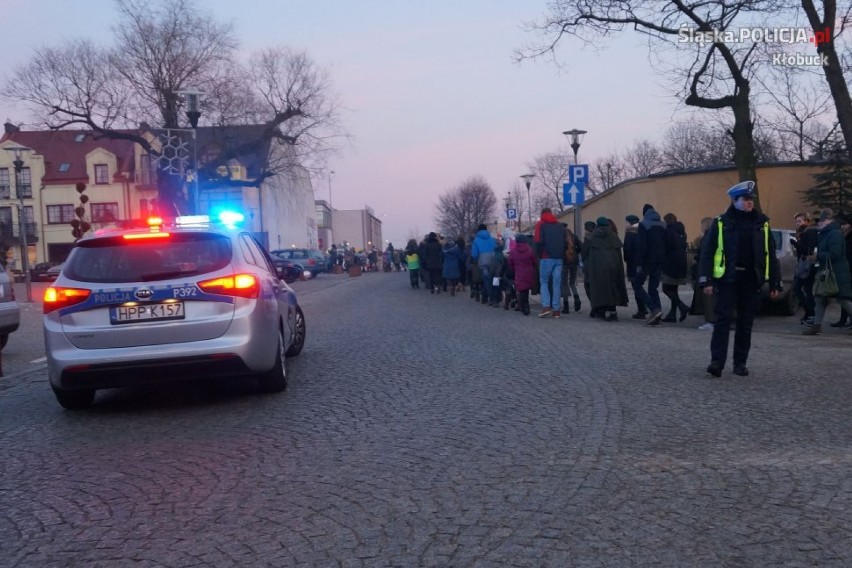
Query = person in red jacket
x=524 y=265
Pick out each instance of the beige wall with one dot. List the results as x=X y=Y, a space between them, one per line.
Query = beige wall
x=692 y=196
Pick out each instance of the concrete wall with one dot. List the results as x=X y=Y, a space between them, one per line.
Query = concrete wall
x=692 y=196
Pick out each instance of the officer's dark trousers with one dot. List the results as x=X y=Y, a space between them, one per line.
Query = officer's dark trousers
x=744 y=295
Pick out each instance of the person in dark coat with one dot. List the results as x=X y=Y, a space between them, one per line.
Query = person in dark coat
x=451 y=258
x=605 y=268
x=651 y=256
x=631 y=260
x=462 y=263
x=588 y=229
x=831 y=248
x=431 y=263
x=806 y=244
x=675 y=267
x=845 y=320
x=524 y=265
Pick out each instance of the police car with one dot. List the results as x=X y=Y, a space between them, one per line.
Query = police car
x=168 y=303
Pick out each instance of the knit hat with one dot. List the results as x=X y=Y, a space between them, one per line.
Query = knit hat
x=521 y=239
x=602 y=222
x=825 y=214
x=632 y=219
x=646 y=207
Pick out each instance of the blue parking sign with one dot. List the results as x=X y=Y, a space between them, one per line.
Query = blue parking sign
x=578 y=173
x=511 y=213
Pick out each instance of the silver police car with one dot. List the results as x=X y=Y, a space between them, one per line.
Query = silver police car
x=168 y=303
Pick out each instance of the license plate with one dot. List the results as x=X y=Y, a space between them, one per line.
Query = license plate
x=147 y=312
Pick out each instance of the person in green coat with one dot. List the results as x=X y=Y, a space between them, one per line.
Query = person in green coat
x=831 y=247
x=605 y=267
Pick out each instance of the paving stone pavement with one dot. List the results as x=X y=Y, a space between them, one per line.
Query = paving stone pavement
x=422 y=430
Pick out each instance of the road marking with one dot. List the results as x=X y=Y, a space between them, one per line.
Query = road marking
x=39 y=360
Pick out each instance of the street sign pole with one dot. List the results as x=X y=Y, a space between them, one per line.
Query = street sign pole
x=574 y=193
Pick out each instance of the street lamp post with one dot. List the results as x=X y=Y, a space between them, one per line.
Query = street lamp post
x=527 y=180
x=575 y=137
x=508 y=202
x=193 y=114
x=18 y=164
x=330 y=173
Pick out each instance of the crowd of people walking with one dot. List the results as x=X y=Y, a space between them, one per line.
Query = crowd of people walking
x=733 y=258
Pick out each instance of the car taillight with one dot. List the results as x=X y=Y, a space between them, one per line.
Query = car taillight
x=146 y=236
x=56 y=298
x=243 y=285
x=312 y=261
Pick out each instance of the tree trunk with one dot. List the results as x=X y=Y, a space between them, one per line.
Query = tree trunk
x=744 y=152
x=824 y=35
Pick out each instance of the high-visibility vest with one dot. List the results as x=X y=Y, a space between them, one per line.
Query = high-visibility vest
x=719 y=255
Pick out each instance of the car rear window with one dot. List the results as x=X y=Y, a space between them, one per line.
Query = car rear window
x=114 y=259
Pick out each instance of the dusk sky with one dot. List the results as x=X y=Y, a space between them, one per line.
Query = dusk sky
x=431 y=93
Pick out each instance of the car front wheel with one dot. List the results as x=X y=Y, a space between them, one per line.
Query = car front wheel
x=275 y=379
x=74 y=399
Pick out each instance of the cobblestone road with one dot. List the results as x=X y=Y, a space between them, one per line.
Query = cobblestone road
x=432 y=431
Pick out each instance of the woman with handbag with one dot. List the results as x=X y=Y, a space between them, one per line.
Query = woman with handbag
x=832 y=277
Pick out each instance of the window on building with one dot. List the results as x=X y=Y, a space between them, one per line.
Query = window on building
x=26 y=187
x=101 y=174
x=60 y=214
x=104 y=212
x=147 y=170
x=6 y=222
x=5 y=187
x=64 y=167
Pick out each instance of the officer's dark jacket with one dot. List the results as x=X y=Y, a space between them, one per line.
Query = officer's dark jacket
x=730 y=240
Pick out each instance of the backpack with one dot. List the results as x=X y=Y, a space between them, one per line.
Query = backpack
x=570 y=248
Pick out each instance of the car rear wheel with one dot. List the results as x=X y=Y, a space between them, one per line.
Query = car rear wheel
x=74 y=399
x=299 y=329
x=275 y=379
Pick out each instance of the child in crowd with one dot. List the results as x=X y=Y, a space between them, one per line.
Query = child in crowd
x=524 y=265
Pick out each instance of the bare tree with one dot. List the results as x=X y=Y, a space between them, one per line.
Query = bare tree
x=460 y=210
x=797 y=112
x=606 y=173
x=163 y=50
x=695 y=144
x=715 y=75
x=642 y=159
x=551 y=171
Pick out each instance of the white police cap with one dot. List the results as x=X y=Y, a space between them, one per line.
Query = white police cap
x=742 y=189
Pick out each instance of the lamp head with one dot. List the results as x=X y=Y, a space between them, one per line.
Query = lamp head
x=527 y=179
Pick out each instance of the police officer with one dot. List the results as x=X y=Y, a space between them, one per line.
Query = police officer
x=737 y=258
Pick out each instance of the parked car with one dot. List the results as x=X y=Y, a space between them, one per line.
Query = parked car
x=38 y=273
x=10 y=312
x=785 y=250
x=287 y=270
x=173 y=303
x=312 y=260
x=53 y=272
